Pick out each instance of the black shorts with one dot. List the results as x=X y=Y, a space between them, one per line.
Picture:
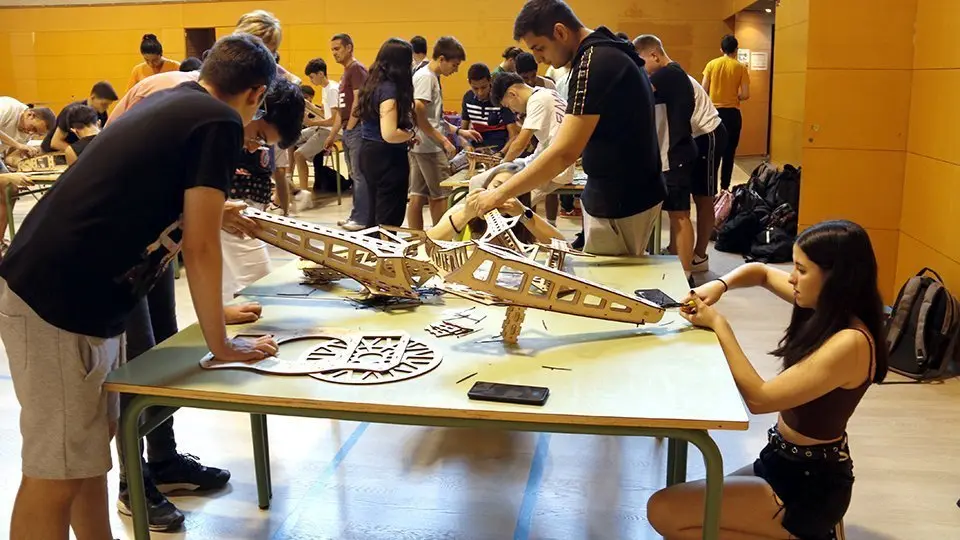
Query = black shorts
x=710 y=147
x=814 y=484
x=678 y=188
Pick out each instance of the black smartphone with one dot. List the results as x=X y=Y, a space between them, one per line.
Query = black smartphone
x=509 y=393
x=658 y=297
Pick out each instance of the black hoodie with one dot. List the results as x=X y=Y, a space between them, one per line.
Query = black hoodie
x=622 y=157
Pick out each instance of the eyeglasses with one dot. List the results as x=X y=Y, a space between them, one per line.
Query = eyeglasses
x=262 y=107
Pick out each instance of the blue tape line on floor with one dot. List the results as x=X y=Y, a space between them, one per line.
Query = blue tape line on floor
x=525 y=516
x=291 y=520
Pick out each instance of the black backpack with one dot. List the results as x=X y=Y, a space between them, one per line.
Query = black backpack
x=923 y=328
x=748 y=213
x=783 y=188
x=325 y=178
x=771 y=245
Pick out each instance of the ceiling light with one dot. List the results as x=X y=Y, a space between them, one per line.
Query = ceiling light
x=768 y=10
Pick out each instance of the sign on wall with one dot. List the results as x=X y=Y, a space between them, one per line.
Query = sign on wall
x=743 y=56
x=759 y=61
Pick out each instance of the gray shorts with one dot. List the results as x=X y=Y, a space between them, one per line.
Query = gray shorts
x=427 y=170
x=621 y=236
x=313 y=145
x=58 y=377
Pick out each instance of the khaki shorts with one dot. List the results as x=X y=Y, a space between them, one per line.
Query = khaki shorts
x=426 y=172
x=58 y=378
x=621 y=236
x=313 y=145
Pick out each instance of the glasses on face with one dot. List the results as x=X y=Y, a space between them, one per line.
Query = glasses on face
x=262 y=107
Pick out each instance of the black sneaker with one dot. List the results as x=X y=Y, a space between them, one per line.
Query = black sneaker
x=162 y=515
x=185 y=472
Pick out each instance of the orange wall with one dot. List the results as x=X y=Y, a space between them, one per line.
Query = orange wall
x=857 y=106
x=930 y=216
x=53 y=55
x=789 y=82
x=755 y=32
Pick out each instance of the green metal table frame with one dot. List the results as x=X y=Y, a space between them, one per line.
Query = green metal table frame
x=11 y=192
x=132 y=431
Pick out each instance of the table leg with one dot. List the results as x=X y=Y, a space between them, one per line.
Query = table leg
x=259 y=461
x=713 y=462
x=266 y=456
x=8 y=203
x=336 y=167
x=676 y=461
x=130 y=432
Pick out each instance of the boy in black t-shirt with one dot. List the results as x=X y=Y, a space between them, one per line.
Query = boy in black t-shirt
x=91 y=249
x=84 y=124
x=609 y=120
x=102 y=95
x=674 y=96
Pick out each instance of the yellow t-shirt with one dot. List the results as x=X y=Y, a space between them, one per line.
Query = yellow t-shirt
x=143 y=70
x=726 y=75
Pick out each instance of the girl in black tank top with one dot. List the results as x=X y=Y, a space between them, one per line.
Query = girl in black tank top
x=801 y=484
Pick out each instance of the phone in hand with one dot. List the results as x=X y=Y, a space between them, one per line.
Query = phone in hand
x=509 y=393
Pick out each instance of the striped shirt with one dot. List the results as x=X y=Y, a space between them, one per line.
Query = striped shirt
x=490 y=121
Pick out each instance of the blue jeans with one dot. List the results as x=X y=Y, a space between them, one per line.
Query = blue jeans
x=352 y=141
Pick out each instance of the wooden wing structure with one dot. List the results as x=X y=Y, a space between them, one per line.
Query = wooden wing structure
x=497 y=269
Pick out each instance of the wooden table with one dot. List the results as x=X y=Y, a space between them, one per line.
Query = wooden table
x=43 y=181
x=663 y=380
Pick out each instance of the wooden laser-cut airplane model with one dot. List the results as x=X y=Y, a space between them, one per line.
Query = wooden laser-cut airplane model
x=497 y=269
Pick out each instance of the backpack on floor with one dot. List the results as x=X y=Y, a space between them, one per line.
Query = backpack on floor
x=771 y=245
x=325 y=178
x=748 y=214
x=761 y=176
x=722 y=205
x=783 y=188
x=923 y=328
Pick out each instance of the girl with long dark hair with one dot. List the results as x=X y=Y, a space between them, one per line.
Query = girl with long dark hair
x=386 y=112
x=832 y=351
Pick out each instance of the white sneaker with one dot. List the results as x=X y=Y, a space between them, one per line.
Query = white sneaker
x=700 y=266
x=303 y=200
x=352 y=226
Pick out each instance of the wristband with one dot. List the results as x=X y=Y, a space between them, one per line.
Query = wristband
x=452 y=224
x=725 y=286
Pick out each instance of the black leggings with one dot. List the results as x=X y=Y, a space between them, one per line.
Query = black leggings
x=733 y=121
x=153 y=320
x=387 y=171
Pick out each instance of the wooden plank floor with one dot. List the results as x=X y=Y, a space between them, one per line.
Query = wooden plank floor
x=343 y=480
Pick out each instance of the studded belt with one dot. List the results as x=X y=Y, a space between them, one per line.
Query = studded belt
x=836 y=451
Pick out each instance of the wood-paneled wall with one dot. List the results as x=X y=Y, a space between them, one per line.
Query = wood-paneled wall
x=789 y=82
x=53 y=55
x=930 y=216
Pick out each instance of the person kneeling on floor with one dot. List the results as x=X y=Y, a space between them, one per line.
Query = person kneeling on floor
x=833 y=351
x=63 y=330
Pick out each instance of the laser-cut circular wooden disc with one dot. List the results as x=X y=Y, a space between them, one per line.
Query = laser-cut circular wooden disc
x=377 y=360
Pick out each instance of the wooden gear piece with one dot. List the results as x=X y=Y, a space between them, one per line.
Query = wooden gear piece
x=512 y=324
x=383 y=267
x=346 y=357
x=332 y=346
x=381 y=358
x=55 y=162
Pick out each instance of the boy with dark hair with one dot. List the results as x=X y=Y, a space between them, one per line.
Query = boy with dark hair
x=429 y=159
x=316 y=127
x=609 y=121
x=675 y=98
x=190 y=63
x=419 y=44
x=60 y=137
x=527 y=68
x=84 y=124
x=181 y=148
x=509 y=60
x=728 y=83
x=354 y=75
x=496 y=125
x=309 y=94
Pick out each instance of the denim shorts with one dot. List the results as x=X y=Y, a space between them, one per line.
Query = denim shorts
x=813 y=484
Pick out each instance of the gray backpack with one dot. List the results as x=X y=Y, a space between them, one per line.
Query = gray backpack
x=923 y=328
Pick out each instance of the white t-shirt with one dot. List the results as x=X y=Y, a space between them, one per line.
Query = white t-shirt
x=331 y=97
x=705 y=116
x=561 y=76
x=426 y=87
x=545 y=112
x=10 y=111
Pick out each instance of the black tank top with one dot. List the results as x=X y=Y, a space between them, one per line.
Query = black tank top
x=825 y=418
